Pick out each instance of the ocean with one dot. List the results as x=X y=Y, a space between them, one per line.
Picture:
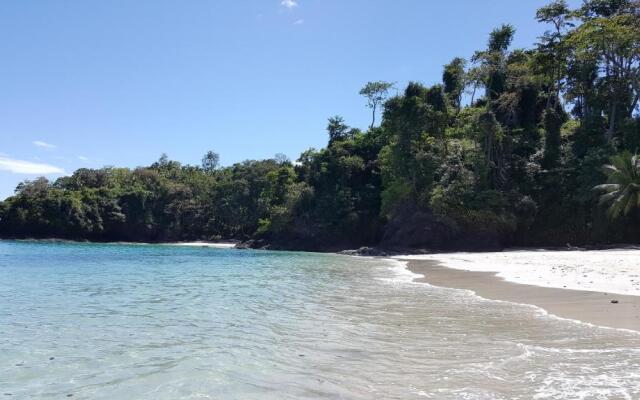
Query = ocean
x=123 y=321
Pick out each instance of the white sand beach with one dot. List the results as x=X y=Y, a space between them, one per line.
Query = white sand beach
x=599 y=287
x=611 y=271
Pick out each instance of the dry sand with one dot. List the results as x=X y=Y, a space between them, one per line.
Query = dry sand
x=594 y=307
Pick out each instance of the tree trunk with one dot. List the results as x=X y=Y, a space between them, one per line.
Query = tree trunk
x=612 y=122
x=473 y=95
x=373 y=117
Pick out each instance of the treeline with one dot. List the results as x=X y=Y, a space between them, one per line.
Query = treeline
x=514 y=147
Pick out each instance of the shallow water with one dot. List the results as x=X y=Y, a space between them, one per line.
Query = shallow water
x=165 y=322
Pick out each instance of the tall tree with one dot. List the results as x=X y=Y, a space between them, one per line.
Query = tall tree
x=337 y=129
x=376 y=93
x=609 y=38
x=492 y=61
x=210 y=161
x=453 y=79
x=552 y=49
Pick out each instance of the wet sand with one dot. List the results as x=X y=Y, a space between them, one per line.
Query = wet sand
x=587 y=306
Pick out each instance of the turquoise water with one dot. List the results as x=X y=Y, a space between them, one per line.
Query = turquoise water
x=100 y=321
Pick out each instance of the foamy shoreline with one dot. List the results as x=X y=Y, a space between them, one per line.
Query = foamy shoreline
x=608 y=271
x=215 y=245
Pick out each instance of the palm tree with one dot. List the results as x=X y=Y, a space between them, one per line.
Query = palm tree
x=622 y=190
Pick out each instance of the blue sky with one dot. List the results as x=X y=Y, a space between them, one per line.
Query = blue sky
x=118 y=82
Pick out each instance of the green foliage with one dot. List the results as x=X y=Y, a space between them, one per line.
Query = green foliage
x=453 y=78
x=500 y=38
x=210 y=161
x=518 y=162
x=338 y=130
x=376 y=93
x=622 y=190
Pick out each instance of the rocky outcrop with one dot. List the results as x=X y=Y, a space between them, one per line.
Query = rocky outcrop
x=413 y=229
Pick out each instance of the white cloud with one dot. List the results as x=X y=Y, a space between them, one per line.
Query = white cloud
x=289 y=3
x=28 y=167
x=83 y=158
x=299 y=22
x=44 y=145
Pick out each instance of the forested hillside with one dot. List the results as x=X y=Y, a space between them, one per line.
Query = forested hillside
x=514 y=147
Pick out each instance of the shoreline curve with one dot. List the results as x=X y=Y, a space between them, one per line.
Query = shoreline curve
x=592 y=307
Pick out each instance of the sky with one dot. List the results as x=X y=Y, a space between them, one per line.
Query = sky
x=119 y=82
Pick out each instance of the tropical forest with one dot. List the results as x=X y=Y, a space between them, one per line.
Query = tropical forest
x=510 y=147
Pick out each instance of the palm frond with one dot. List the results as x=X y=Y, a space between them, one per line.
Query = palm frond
x=608 y=198
x=622 y=190
x=608 y=187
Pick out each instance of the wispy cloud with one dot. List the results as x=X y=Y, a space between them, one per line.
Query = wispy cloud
x=289 y=3
x=83 y=158
x=28 y=167
x=44 y=145
x=299 y=22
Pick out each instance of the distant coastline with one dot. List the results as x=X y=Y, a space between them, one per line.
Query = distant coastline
x=225 y=244
x=381 y=251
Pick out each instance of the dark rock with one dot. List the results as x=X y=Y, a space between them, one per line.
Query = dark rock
x=414 y=228
x=614 y=301
x=259 y=244
x=244 y=245
x=366 y=251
